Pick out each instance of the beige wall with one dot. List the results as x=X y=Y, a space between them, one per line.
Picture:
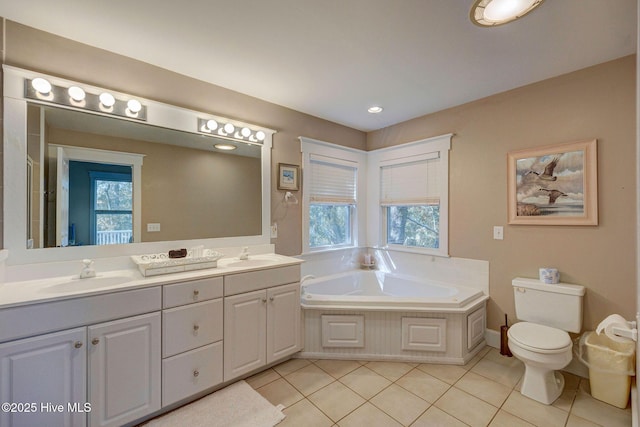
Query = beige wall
x=597 y=102
x=36 y=50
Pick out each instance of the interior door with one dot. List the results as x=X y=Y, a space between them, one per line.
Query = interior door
x=62 y=198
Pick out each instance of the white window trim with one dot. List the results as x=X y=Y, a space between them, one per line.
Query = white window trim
x=309 y=148
x=402 y=154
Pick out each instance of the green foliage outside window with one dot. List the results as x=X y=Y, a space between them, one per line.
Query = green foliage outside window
x=416 y=226
x=329 y=225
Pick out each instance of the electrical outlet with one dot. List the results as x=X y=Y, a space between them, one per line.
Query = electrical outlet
x=153 y=227
x=498 y=232
x=274 y=230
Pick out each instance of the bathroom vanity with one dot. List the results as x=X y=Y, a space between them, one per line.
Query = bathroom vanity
x=116 y=354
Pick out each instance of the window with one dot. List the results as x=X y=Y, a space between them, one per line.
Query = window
x=111 y=208
x=330 y=189
x=332 y=201
x=413 y=196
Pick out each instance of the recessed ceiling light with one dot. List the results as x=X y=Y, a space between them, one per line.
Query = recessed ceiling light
x=225 y=147
x=489 y=13
x=375 y=109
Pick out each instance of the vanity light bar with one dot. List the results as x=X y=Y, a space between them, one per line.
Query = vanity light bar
x=230 y=131
x=42 y=90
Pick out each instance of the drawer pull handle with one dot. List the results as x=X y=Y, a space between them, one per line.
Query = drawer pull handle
x=264 y=300
x=196 y=327
x=196 y=293
x=196 y=373
x=95 y=341
x=271 y=299
x=77 y=344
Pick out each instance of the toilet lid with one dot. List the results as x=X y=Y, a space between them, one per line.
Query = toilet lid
x=539 y=337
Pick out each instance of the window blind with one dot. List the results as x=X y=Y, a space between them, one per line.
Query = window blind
x=332 y=181
x=411 y=183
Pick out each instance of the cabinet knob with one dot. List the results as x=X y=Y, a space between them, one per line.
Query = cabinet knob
x=196 y=373
x=264 y=300
x=196 y=327
x=95 y=341
x=271 y=299
x=196 y=293
x=77 y=344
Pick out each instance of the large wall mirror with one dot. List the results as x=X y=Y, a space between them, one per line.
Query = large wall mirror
x=77 y=182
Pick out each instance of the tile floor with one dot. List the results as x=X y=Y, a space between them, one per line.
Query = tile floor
x=485 y=392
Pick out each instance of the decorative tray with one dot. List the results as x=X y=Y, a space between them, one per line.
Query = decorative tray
x=154 y=264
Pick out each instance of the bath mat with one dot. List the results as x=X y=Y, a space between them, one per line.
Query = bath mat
x=237 y=405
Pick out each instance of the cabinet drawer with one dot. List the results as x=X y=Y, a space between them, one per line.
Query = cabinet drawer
x=185 y=328
x=255 y=280
x=190 y=292
x=191 y=372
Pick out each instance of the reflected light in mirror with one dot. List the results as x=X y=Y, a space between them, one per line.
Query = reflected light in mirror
x=41 y=85
x=225 y=147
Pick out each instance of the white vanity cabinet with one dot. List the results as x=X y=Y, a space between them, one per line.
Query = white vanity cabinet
x=261 y=318
x=49 y=369
x=104 y=353
x=124 y=370
x=192 y=338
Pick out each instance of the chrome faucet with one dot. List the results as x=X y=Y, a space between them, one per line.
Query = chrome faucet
x=87 y=270
x=244 y=255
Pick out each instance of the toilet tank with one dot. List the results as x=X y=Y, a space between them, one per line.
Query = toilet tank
x=558 y=306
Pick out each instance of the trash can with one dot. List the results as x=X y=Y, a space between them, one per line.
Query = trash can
x=611 y=365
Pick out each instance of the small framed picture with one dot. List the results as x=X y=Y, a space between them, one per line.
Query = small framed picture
x=288 y=177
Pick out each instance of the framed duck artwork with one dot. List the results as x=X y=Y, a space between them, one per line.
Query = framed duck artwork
x=554 y=184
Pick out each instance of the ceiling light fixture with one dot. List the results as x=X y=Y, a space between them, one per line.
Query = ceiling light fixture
x=490 y=13
x=375 y=109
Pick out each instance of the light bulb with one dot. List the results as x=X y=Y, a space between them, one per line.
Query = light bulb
x=260 y=135
x=107 y=99
x=245 y=132
x=134 y=105
x=229 y=128
x=212 y=125
x=503 y=10
x=76 y=93
x=41 y=85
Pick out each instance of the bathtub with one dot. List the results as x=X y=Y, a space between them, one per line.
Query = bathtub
x=373 y=315
x=376 y=290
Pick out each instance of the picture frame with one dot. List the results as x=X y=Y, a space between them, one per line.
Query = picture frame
x=288 y=177
x=553 y=185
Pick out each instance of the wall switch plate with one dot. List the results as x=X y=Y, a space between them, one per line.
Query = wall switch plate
x=152 y=227
x=274 y=230
x=498 y=232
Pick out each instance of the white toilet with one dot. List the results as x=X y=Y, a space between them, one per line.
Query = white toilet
x=541 y=340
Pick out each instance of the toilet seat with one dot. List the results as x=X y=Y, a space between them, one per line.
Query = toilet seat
x=539 y=338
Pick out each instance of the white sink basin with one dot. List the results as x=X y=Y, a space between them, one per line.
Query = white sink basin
x=77 y=284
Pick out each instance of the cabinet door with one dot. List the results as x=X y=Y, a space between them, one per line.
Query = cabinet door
x=283 y=321
x=49 y=369
x=245 y=318
x=124 y=370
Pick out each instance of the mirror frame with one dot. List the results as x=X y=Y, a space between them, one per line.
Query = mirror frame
x=15 y=174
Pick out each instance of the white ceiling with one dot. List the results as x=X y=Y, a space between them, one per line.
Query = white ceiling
x=334 y=58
